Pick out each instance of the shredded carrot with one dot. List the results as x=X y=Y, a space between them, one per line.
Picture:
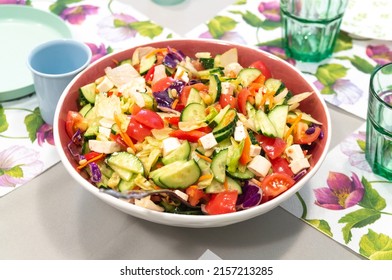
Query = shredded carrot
x=245 y=156
x=155 y=51
x=84 y=164
x=205 y=177
x=124 y=136
x=267 y=96
x=226 y=184
x=175 y=102
x=294 y=123
x=115 y=61
x=204 y=157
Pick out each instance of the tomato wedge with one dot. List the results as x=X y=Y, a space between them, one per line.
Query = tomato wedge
x=281 y=165
x=187 y=89
x=162 y=84
x=274 y=184
x=273 y=147
x=75 y=121
x=262 y=67
x=137 y=130
x=149 y=119
x=242 y=99
x=192 y=136
x=227 y=99
x=222 y=203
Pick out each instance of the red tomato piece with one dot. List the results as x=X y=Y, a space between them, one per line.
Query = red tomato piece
x=91 y=155
x=300 y=135
x=275 y=184
x=150 y=75
x=227 y=99
x=75 y=121
x=162 y=84
x=173 y=120
x=242 y=99
x=273 y=147
x=262 y=67
x=222 y=203
x=281 y=165
x=195 y=195
x=149 y=119
x=137 y=130
x=192 y=136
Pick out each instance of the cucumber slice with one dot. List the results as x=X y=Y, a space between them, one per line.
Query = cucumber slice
x=194 y=97
x=266 y=127
x=124 y=174
x=89 y=92
x=278 y=117
x=247 y=75
x=126 y=161
x=207 y=62
x=91 y=132
x=127 y=185
x=193 y=112
x=187 y=174
x=218 y=165
x=227 y=123
x=181 y=153
x=149 y=101
x=85 y=109
x=251 y=111
x=146 y=62
x=246 y=175
x=218 y=118
x=215 y=88
x=273 y=85
x=216 y=187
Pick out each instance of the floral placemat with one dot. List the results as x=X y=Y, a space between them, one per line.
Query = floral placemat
x=347 y=202
x=343 y=79
x=27 y=147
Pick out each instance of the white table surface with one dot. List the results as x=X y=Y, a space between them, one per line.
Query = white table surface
x=52 y=217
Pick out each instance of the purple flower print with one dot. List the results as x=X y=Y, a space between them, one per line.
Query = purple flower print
x=341 y=193
x=228 y=36
x=97 y=51
x=381 y=54
x=354 y=147
x=271 y=10
x=115 y=28
x=18 y=165
x=15 y=2
x=279 y=52
x=77 y=14
x=345 y=92
x=45 y=134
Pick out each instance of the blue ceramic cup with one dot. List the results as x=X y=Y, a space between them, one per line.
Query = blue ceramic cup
x=53 y=65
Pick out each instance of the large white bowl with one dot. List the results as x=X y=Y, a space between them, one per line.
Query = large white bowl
x=279 y=68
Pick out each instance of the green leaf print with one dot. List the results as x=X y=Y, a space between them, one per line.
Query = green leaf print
x=327 y=74
x=253 y=20
x=60 y=5
x=343 y=42
x=3 y=120
x=376 y=246
x=219 y=25
x=240 y=2
x=371 y=199
x=33 y=122
x=361 y=64
x=358 y=219
x=147 y=28
x=15 y=172
x=321 y=225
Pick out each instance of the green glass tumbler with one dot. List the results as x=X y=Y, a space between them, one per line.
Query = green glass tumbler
x=310 y=27
x=379 y=122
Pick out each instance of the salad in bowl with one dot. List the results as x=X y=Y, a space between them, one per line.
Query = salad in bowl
x=201 y=131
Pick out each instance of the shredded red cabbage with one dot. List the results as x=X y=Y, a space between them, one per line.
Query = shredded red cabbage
x=96 y=174
x=251 y=196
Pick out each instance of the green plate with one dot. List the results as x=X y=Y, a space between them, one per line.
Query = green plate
x=21 y=29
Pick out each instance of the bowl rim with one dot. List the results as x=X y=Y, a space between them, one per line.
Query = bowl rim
x=192 y=220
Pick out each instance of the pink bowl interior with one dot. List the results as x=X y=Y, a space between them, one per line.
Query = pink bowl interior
x=292 y=78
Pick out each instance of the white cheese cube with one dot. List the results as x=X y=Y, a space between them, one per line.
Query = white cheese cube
x=181 y=194
x=227 y=88
x=294 y=152
x=181 y=74
x=232 y=68
x=254 y=150
x=259 y=166
x=239 y=132
x=105 y=85
x=208 y=141
x=170 y=144
x=104 y=131
x=106 y=147
x=299 y=164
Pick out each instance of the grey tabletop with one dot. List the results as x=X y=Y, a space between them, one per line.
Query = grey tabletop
x=52 y=217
